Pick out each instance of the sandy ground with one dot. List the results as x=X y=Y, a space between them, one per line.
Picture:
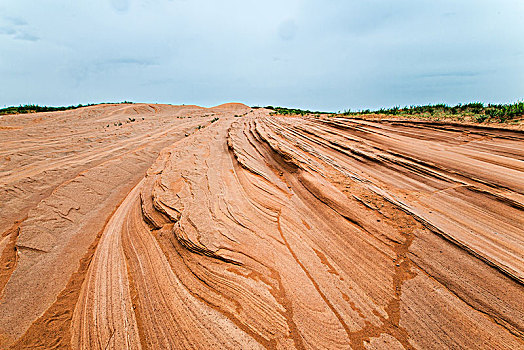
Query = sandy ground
x=154 y=226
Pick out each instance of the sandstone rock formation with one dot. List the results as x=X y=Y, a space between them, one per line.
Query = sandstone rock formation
x=179 y=230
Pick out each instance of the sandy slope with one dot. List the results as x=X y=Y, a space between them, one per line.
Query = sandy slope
x=258 y=231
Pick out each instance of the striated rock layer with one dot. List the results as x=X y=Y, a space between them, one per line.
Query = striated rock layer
x=181 y=230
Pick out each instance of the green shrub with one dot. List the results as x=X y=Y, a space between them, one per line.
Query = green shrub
x=476 y=110
x=293 y=111
x=32 y=108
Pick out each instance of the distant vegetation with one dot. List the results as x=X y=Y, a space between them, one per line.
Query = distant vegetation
x=293 y=111
x=36 y=108
x=471 y=112
x=475 y=112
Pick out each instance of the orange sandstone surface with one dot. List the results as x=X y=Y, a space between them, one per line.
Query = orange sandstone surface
x=156 y=226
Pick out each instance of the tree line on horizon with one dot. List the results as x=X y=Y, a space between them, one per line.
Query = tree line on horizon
x=32 y=108
x=476 y=111
x=480 y=112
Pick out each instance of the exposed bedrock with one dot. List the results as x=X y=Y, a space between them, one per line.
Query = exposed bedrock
x=259 y=231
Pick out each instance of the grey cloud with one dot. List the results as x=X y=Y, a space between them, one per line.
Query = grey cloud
x=16 y=21
x=7 y=31
x=108 y=69
x=120 y=5
x=287 y=30
x=128 y=61
x=18 y=34
x=464 y=74
x=17 y=29
x=26 y=36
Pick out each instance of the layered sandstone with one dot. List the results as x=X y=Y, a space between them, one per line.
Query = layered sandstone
x=181 y=230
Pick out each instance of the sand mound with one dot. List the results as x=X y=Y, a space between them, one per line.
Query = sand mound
x=232 y=106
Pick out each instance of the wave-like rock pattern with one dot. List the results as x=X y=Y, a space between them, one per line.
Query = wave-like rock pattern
x=261 y=231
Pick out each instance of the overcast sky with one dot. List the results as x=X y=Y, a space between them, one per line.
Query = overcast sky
x=327 y=55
